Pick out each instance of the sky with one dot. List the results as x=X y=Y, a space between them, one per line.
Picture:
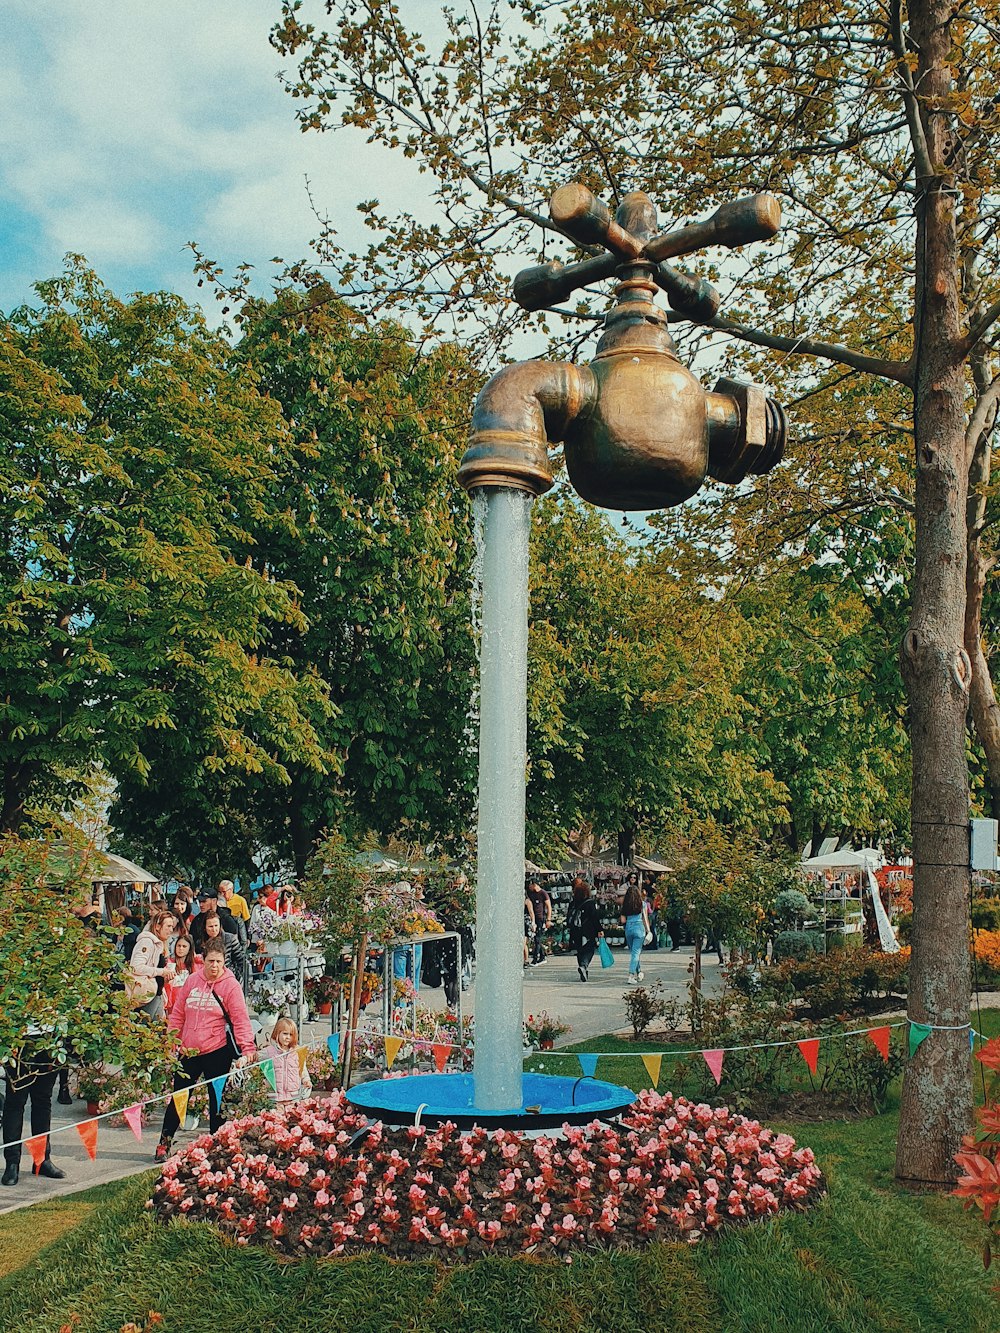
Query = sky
x=129 y=129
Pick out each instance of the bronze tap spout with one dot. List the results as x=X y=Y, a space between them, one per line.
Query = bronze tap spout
x=519 y=412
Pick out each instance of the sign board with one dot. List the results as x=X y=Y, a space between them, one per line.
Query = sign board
x=983 y=845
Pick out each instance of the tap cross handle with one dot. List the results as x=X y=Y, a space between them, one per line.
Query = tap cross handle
x=586 y=220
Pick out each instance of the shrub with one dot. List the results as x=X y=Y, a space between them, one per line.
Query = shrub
x=796 y=943
x=837 y=983
x=986 y=949
x=645 y=1003
x=790 y=907
x=986 y=914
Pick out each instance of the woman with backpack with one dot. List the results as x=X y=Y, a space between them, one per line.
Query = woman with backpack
x=583 y=921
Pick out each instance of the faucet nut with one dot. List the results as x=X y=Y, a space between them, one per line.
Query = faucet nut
x=747 y=431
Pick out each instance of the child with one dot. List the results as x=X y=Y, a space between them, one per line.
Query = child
x=184 y=962
x=283 y=1049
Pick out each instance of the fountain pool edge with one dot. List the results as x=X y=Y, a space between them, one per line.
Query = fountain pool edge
x=442 y=1097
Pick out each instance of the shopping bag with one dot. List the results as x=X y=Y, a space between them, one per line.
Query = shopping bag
x=604 y=949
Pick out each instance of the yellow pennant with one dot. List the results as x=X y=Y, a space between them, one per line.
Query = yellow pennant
x=652 y=1063
x=392 y=1045
x=180 y=1100
x=303 y=1054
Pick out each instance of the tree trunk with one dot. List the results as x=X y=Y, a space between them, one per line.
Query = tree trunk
x=626 y=845
x=302 y=837
x=985 y=710
x=936 y=1107
x=357 y=981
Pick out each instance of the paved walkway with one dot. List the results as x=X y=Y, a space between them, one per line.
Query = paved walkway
x=592 y=1009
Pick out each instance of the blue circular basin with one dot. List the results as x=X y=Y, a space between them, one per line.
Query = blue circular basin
x=547 y=1101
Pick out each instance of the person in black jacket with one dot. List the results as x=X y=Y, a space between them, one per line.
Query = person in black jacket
x=583 y=921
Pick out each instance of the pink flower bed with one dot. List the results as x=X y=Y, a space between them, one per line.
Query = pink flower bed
x=670 y=1170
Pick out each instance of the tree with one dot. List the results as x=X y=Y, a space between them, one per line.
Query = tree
x=133 y=465
x=377 y=538
x=57 y=993
x=878 y=130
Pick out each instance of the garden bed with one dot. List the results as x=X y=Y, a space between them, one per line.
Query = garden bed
x=317 y=1182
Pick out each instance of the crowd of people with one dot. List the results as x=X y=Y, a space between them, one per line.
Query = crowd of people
x=185 y=962
x=633 y=909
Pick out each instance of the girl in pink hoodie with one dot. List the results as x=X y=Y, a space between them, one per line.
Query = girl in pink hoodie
x=290 y=1082
x=198 y=1015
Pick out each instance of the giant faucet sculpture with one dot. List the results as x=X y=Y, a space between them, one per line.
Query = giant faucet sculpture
x=639 y=432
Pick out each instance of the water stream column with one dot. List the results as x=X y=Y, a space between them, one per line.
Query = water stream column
x=502 y=760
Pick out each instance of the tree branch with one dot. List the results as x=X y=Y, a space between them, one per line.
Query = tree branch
x=844 y=356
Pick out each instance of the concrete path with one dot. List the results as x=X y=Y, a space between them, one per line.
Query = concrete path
x=592 y=1009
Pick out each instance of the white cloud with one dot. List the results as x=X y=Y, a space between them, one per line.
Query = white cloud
x=129 y=129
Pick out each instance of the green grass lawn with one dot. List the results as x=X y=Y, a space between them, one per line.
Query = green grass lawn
x=869 y=1257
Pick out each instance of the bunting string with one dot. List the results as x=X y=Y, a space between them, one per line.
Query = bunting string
x=394 y=1041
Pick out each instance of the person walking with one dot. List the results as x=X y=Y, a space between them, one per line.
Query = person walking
x=636 y=923
x=583 y=922
x=210 y=1002
x=541 y=908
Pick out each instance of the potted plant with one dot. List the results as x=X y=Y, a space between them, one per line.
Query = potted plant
x=94 y=1084
x=323 y=1069
x=543 y=1030
x=322 y=991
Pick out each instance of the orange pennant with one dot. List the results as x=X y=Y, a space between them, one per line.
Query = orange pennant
x=810 y=1052
x=392 y=1045
x=303 y=1054
x=87 y=1129
x=652 y=1063
x=440 y=1052
x=37 y=1146
x=880 y=1036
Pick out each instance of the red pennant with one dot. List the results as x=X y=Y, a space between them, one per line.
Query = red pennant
x=37 y=1147
x=810 y=1052
x=87 y=1129
x=880 y=1036
x=440 y=1052
x=714 y=1061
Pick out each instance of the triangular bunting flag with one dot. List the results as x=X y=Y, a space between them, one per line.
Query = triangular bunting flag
x=918 y=1032
x=333 y=1043
x=133 y=1118
x=392 y=1045
x=652 y=1063
x=972 y=1039
x=303 y=1054
x=714 y=1061
x=267 y=1069
x=810 y=1052
x=37 y=1146
x=440 y=1052
x=219 y=1087
x=87 y=1129
x=588 y=1063
x=180 y=1100
x=880 y=1036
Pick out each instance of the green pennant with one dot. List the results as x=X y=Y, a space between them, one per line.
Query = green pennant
x=267 y=1069
x=918 y=1032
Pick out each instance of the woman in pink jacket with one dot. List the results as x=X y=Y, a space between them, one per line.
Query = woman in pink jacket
x=199 y=1017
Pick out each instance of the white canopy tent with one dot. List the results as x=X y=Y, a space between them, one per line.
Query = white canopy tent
x=866 y=861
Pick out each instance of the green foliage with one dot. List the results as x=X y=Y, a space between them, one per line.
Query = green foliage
x=790 y=907
x=986 y=913
x=797 y=944
x=134 y=463
x=845 y=981
x=57 y=993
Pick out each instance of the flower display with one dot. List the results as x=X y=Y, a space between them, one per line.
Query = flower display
x=542 y=1027
x=322 y=1180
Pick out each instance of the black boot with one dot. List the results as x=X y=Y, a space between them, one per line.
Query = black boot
x=11 y=1174
x=65 y=1098
x=49 y=1171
